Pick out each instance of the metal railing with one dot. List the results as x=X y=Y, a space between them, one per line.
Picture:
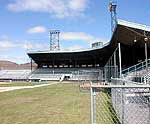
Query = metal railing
x=135 y=68
x=120 y=104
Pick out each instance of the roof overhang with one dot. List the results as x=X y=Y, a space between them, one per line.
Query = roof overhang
x=134 y=25
x=127 y=32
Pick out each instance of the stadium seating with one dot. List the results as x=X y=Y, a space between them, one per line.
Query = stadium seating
x=14 y=74
x=65 y=74
x=137 y=73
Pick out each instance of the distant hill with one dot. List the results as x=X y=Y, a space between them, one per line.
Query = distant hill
x=4 y=65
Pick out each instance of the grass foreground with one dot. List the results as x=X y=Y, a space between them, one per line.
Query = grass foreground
x=105 y=113
x=55 y=104
x=11 y=84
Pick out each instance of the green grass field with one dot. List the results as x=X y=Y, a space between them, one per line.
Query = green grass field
x=16 y=84
x=7 y=84
x=105 y=113
x=55 y=104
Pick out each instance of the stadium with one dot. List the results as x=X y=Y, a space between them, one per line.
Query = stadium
x=60 y=65
x=114 y=76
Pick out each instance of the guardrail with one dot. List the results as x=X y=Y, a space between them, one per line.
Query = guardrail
x=137 y=67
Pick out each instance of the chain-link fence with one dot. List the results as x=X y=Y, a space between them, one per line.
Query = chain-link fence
x=113 y=66
x=90 y=75
x=120 y=104
x=110 y=71
x=86 y=76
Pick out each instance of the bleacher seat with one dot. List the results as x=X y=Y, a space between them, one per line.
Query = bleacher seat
x=72 y=73
x=14 y=74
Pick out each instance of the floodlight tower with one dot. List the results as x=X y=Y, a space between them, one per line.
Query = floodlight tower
x=54 y=40
x=112 y=9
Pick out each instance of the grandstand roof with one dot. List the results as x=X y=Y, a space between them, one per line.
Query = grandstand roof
x=125 y=33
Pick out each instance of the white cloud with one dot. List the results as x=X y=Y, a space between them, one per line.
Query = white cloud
x=37 y=29
x=75 y=47
x=80 y=36
x=72 y=48
x=4 y=37
x=78 y=5
x=34 y=46
x=64 y=36
x=75 y=36
x=7 y=45
x=16 y=59
x=57 y=8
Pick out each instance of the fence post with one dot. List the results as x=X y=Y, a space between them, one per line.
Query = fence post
x=122 y=101
x=149 y=107
x=92 y=114
x=93 y=105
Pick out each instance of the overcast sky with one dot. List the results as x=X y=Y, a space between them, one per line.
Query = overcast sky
x=24 y=24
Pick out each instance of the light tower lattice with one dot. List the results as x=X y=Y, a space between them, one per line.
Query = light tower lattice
x=112 y=9
x=54 y=40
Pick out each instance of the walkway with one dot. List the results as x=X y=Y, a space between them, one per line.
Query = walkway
x=4 y=89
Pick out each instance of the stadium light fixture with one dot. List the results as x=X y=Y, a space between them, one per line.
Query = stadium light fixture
x=145 y=39
x=135 y=40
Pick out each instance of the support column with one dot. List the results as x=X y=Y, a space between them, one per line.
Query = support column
x=93 y=105
x=53 y=64
x=75 y=63
x=31 y=65
x=68 y=65
x=105 y=72
x=146 y=56
x=92 y=115
x=115 y=66
x=120 y=65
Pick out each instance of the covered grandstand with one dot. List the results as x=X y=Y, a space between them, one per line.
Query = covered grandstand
x=131 y=37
